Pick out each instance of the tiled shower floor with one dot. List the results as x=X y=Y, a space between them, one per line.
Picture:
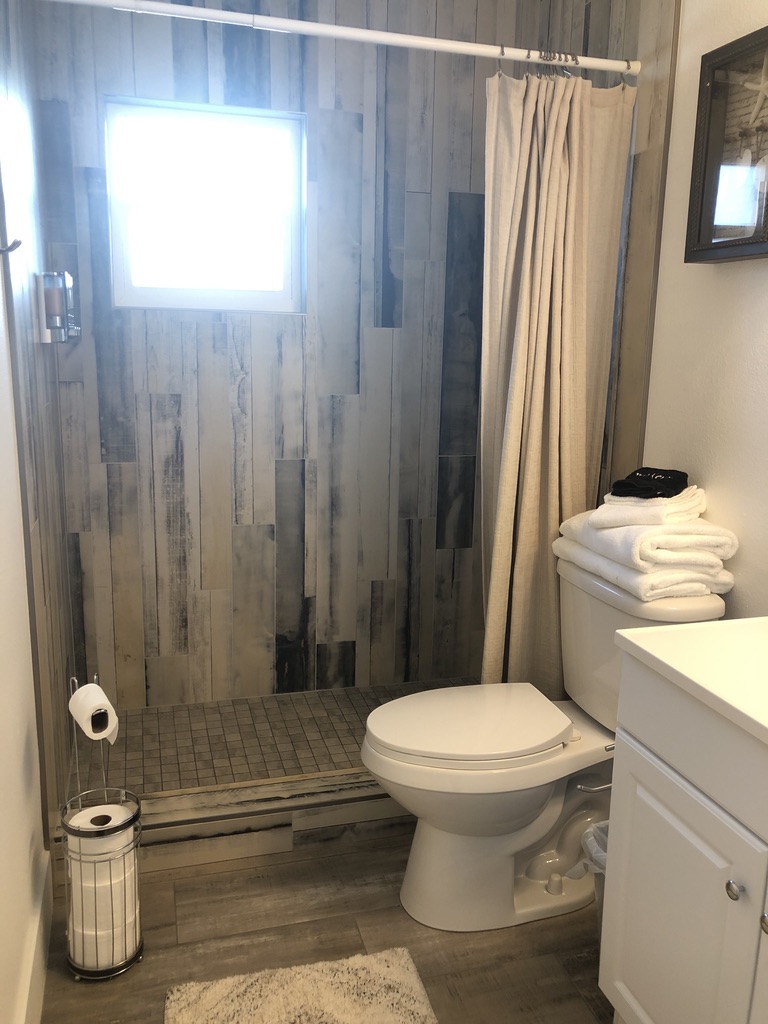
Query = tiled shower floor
x=166 y=749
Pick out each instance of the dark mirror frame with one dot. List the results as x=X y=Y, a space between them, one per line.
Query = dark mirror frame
x=724 y=125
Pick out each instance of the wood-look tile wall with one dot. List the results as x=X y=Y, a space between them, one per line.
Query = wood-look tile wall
x=268 y=502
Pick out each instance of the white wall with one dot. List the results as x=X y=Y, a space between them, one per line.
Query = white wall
x=24 y=863
x=708 y=405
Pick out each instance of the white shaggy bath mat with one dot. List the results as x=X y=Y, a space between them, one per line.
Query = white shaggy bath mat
x=379 y=988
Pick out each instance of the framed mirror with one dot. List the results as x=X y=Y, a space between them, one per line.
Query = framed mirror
x=727 y=215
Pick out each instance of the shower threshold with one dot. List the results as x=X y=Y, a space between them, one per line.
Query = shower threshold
x=245 y=777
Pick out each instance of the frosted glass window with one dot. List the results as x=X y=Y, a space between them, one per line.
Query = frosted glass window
x=206 y=207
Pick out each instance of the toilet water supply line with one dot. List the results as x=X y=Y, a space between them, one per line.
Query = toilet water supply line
x=269 y=23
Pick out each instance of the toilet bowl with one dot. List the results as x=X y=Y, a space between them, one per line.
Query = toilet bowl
x=492 y=775
x=504 y=782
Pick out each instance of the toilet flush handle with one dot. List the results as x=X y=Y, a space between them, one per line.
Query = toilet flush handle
x=593 y=789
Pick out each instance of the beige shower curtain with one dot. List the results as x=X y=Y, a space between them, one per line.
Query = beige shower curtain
x=556 y=163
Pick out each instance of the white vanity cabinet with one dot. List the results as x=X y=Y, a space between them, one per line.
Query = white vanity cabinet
x=685 y=919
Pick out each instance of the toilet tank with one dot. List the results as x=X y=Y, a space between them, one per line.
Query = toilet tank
x=591 y=610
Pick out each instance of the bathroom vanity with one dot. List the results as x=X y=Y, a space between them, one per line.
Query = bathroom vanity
x=685 y=921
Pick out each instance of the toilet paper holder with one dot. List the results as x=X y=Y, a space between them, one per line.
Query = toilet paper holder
x=102 y=830
x=101 y=834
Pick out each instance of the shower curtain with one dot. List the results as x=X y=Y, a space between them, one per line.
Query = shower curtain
x=556 y=165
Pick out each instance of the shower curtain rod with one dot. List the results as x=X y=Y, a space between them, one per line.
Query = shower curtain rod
x=364 y=35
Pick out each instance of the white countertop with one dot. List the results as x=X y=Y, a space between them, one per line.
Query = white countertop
x=723 y=663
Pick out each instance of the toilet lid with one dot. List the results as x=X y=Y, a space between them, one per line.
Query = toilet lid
x=470 y=724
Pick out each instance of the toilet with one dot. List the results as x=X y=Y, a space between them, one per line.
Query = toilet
x=503 y=781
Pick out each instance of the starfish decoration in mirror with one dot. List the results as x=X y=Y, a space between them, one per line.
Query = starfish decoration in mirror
x=761 y=88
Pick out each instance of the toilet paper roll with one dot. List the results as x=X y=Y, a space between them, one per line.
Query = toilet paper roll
x=95 y=821
x=104 y=894
x=98 y=950
x=92 y=875
x=91 y=709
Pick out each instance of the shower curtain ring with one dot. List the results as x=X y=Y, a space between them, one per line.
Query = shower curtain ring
x=499 y=59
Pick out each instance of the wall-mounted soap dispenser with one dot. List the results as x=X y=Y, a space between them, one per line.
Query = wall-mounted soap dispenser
x=56 y=306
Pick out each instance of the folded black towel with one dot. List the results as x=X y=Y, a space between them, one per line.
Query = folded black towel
x=651 y=483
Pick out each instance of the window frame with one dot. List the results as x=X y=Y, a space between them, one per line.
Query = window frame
x=125 y=294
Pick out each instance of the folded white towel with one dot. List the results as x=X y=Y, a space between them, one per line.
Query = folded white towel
x=696 y=545
x=679 y=500
x=648 y=586
x=626 y=511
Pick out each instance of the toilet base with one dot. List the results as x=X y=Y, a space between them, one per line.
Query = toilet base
x=476 y=883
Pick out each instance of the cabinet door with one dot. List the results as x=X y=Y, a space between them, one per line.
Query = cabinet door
x=675 y=948
x=759 y=1014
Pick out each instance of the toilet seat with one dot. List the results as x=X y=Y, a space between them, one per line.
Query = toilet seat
x=476 y=727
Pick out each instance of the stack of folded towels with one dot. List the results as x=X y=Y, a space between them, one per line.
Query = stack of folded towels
x=650 y=540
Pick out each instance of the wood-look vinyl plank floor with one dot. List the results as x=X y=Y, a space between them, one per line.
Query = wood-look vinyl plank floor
x=288 y=893
x=537 y=990
x=441 y=953
x=212 y=924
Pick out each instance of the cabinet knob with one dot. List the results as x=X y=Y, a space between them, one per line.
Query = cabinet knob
x=764 y=923
x=733 y=889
